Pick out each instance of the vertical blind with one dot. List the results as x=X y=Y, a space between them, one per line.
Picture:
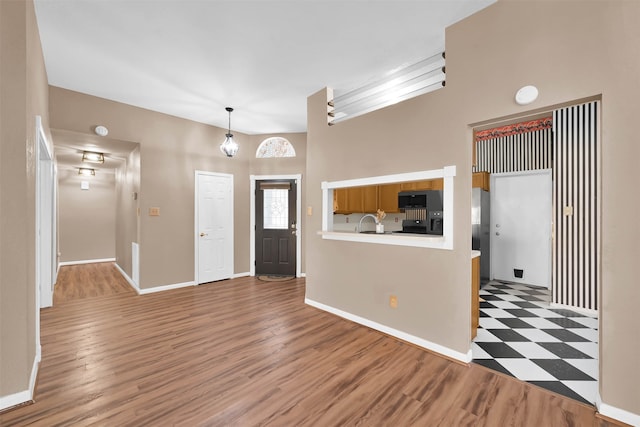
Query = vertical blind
x=577 y=206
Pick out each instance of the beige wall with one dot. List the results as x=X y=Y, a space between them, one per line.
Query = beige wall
x=86 y=218
x=171 y=150
x=570 y=51
x=23 y=95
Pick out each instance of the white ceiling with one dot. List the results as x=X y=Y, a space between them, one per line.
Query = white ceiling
x=192 y=58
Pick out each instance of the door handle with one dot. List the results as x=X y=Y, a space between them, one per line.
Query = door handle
x=203 y=234
x=293 y=232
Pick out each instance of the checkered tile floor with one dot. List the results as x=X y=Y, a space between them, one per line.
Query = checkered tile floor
x=522 y=336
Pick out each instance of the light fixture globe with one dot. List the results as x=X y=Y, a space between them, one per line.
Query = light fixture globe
x=229 y=147
x=526 y=95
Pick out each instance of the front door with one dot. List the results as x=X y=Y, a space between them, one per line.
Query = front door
x=521 y=227
x=276 y=227
x=214 y=226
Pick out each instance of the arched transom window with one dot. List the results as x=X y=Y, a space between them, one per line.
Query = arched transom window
x=275 y=147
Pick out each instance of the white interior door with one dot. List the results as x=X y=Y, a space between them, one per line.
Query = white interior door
x=214 y=227
x=521 y=213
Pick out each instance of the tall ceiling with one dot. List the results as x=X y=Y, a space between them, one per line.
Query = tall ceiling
x=193 y=58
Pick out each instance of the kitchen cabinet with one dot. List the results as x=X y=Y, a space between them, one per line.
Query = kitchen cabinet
x=437 y=184
x=480 y=180
x=388 y=197
x=475 y=296
x=370 y=198
x=355 y=200
x=340 y=200
x=432 y=184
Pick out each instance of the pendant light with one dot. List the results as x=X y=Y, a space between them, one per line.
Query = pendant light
x=229 y=147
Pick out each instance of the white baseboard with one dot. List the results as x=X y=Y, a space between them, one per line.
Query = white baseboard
x=21 y=397
x=445 y=351
x=245 y=274
x=128 y=279
x=617 y=413
x=165 y=288
x=588 y=312
x=86 y=261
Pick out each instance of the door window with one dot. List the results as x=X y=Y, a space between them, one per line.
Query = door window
x=276 y=209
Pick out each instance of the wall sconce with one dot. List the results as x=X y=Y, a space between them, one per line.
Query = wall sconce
x=92 y=157
x=86 y=172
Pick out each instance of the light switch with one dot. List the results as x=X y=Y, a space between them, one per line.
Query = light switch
x=309 y=211
x=84 y=185
x=154 y=211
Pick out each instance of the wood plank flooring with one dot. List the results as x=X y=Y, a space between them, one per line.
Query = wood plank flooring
x=89 y=281
x=243 y=352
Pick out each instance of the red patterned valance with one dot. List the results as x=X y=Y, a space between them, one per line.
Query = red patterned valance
x=513 y=129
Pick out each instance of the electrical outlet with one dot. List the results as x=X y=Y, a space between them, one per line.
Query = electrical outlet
x=568 y=210
x=154 y=211
x=393 y=301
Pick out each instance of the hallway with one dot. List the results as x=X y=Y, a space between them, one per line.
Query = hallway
x=80 y=281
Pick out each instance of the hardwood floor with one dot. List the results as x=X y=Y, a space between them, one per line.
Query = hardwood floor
x=89 y=281
x=244 y=352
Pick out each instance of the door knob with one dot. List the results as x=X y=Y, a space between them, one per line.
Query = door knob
x=203 y=234
x=497 y=233
x=293 y=232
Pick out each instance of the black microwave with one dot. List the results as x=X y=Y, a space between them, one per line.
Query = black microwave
x=426 y=199
x=412 y=199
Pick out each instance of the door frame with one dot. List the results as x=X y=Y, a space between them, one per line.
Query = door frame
x=196 y=223
x=45 y=215
x=46 y=254
x=492 y=196
x=252 y=213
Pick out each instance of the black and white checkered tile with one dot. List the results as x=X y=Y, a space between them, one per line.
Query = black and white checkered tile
x=521 y=335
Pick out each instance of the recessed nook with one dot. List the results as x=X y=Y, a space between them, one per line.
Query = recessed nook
x=445 y=241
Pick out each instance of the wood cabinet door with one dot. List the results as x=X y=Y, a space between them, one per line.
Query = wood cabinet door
x=354 y=200
x=370 y=199
x=340 y=200
x=388 y=197
x=480 y=180
x=437 y=184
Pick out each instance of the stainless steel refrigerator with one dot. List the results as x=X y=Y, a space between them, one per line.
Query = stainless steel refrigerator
x=480 y=228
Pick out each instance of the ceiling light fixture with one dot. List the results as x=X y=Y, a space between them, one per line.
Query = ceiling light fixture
x=92 y=157
x=101 y=130
x=229 y=147
x=526 y=95
x=86 y=172
x=402 y=84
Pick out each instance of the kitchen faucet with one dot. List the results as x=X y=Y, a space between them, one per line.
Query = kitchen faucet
x=375 y=218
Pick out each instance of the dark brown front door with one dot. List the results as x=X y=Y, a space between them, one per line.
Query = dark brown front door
x=276 y=228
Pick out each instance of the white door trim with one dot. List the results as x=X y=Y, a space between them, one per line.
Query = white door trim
x=196 y=222
x=252 y=213
x=493 y=177
x=44 y=215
